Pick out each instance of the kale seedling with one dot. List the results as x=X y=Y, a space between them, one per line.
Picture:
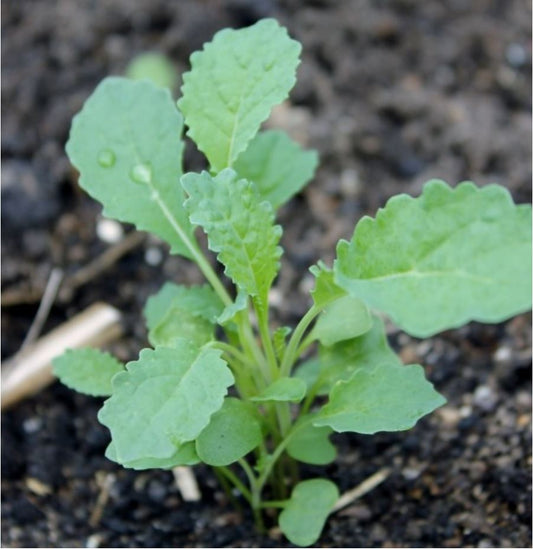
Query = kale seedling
x=219 y=384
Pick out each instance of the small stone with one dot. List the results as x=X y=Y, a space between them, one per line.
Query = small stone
x=156 y=490
x=109 y=231
x=32 y=425
x=411 y=473
x=94 y=541
x=503 y=354
x=153 y=256
x=449 y=415
x=485 y=398
x=38 y=487
x=516 y=55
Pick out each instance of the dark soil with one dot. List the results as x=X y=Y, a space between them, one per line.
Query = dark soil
x=391 y=94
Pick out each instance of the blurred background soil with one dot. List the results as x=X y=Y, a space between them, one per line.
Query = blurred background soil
x=391 y=94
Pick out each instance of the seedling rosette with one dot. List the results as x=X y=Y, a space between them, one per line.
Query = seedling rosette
x=243 y=397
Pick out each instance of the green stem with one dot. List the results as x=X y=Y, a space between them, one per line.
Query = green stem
x=274 y=503
x=264 y=332
x=278 y=452
x=294 y=343
x=236 y=482
x=195 y=251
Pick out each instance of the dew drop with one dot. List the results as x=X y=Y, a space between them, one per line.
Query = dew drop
x=141 y=173
x=106 y=158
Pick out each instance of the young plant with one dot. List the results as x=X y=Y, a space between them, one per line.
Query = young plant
x=220 y=385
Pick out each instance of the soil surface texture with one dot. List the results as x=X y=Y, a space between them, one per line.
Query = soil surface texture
x=391 y=94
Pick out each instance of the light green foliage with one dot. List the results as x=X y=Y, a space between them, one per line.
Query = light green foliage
x=155 y=67
x=339 y=362
x=388 y=397
x=239 y=227
x=179 y=323
x=233 y=84
x=177 y=311
x=345 y=318
x=429 y=263
x=87 y=370
x=126 y=144
x=232 y=433
x=283 y=389
x=307 y=510
x=278 y=166
x=326 y=290
x=443 y=259
x=231 y=311
x=200 y=301
x=163 y=400
x=185 y=455
x=311 y=444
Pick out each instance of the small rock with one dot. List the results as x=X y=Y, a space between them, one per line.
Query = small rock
x=32 y=425
x=94 y=541
x=503 y=354
x=153 y=256
x=485 y=398
x=109 y=231
x=156 y=490
x=516 y=55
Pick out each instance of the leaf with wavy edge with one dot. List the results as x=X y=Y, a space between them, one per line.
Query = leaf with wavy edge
x=87 y=370
x=445 y=258
x=164 y=399
x=232 y=86
x=388 y=397
x=126 y=144
x=239 y=226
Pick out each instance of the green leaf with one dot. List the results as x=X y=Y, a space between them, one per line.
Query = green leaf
x=306 y=512
x=239 y=227
x=340 y=361
x=233 y=84
x=326 y=290
x=164 y=399
x=155 y=67
x=126 y=144
x=87 y=370
x=283 y=389
x=311 y=444
x=201 y=301
x=230 y=312
x=232 y=433
x=388 y=397
x=179 y=323
x=345 y=318
x=278 y=166
x=443 y=259
x=185 y=455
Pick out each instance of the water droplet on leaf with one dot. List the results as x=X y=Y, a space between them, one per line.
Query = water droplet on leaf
x=106 y=158
x=141 y=173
